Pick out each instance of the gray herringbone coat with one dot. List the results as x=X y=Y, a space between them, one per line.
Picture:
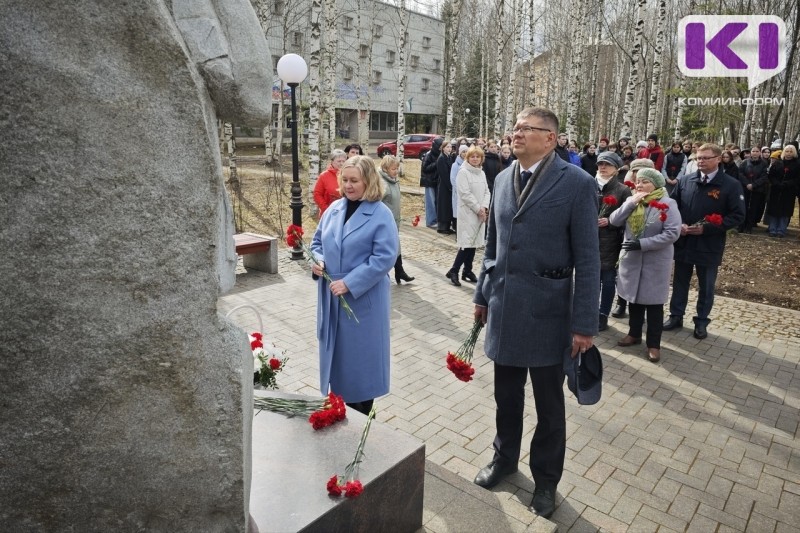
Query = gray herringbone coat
x=531 y=318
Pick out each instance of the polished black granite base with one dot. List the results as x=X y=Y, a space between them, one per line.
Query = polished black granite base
x=292 y=464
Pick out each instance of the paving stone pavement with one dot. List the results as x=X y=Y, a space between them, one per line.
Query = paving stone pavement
x=704 y=441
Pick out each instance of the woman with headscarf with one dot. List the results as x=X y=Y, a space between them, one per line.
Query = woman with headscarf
x=645 y=262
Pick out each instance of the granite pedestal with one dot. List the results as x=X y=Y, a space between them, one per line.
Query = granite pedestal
x=292 y=464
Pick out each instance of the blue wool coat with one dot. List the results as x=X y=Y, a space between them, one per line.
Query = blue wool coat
x=354 y=356
x=532 y=317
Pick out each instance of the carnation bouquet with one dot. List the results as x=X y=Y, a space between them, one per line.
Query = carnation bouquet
x=294 y=238
x=321 y=413
x=460 y=363
x=267 y=361
x=609 y=201
x=348 y=484
x=714 y=219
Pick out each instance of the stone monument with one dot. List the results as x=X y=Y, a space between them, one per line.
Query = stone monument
x=125 y=399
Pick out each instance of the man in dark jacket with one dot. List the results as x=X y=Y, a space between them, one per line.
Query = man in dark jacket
x=610 y=195
x=430 y=180
x=753 y=177
x=492 y=165
x=707 y=192
x=561 y=147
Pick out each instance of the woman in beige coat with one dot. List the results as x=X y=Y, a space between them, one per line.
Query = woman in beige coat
x=473 y=206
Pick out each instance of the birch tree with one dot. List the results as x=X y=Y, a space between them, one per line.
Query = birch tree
x=633 y=79
x=452 y=30
x=498 y=75
x=401 y=81
x=593 y=100
x=530 y=95
x=331 y=40
x=314 y=100
x=655 y=79
x=576 y=72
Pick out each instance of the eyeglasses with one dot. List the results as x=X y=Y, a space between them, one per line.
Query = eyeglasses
x=528 y=129
x=707 y=158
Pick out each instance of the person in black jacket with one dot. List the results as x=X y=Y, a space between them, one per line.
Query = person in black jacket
x=611 y=193
x=709 y=191
x=589 y=159
x=753 y=177
x=492 y=164
x=430 y=180
x=674 y=166
x=444 y=191
x=784 y=177
x=728 y=164
x=561 y=147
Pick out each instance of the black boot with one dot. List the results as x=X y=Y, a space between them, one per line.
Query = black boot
x=602 y=323
x=453 y=275
x=619 y=309
x=399 y=273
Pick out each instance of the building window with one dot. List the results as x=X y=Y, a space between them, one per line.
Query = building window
x=275 y=60
x=426 y=83
x=277 y=7
x=378 y=31
x=363 y=50
x=348 y=73
x=414 y=61
x=297 y=38
x=348 y=23
x=383 y=121
x=426 y=42
x=437 y=64
x=390 y=56
x=376 y=77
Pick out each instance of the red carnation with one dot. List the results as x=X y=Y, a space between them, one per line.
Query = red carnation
x=415 y=222
x=256 y=344
x=257 y=335
x=630 y=184
x=293 y=235
x=609 y=200
x=714 y=219
x=663 y=216
x=275 y=364
x=353 y=489
x=333 y=486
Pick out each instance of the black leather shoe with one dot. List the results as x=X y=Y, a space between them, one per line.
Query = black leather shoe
x=454 y=279
x=469 y=276
x=619 y=311
x=445 y=231
x=544 y=501
x=700 y=331
x=493 y=474
x=673 y=322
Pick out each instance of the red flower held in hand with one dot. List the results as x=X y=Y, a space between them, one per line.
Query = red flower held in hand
x=609 y=200
x=714 y=219
x=293 y=235
x=460 y=363
x=415 y=222
x=630 y=184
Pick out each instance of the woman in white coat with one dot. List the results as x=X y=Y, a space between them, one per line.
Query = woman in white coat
x=473 y=211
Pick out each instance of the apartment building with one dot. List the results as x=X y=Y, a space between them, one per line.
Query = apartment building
x=367 y=62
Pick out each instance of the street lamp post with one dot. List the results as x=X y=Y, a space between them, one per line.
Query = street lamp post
x=292 y=69
x=466 y=121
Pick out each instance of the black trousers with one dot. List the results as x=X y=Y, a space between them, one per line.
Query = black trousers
x=465 y=256
x=655 y=323
x=549 y=443
x=706 y=282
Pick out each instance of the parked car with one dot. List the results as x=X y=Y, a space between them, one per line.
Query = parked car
x=415 y=145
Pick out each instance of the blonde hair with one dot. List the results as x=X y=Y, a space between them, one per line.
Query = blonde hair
x=790 y=149
x=388 y=162
x=714 y=148
x=365 y=166
x=475 y=150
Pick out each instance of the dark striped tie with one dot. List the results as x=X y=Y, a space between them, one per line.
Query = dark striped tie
x=523 y=178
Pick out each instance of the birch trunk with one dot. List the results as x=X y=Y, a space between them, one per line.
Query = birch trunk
x=452 y=30
x=530 y=99
x=633 y=79
x=512 y=73
x=263 y=15
x=593 y=84
x=401 y=82
x=655 y=80
x=575 y=70
x=331 y=40
x=498 y=75
x=314 y=100
x=481 y=115
x=279 y=129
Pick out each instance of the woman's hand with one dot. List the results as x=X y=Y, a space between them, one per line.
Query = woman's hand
x=638 y=197
x=602 y=222
x=338 y=287
x=483 y=214
x=317 y=269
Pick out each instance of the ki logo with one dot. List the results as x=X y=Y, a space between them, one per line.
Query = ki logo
x=751 y=46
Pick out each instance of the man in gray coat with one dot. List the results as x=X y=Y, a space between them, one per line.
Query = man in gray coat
x=538 y=291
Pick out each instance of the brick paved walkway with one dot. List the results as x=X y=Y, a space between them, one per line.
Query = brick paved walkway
x=704 y=441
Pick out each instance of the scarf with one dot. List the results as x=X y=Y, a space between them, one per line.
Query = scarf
x=601 y=182
x=636 y=220
x=522 y=195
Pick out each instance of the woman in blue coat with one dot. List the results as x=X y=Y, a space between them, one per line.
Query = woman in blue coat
x=356 y=243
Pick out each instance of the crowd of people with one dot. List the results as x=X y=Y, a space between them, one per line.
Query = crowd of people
x=564 y=230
